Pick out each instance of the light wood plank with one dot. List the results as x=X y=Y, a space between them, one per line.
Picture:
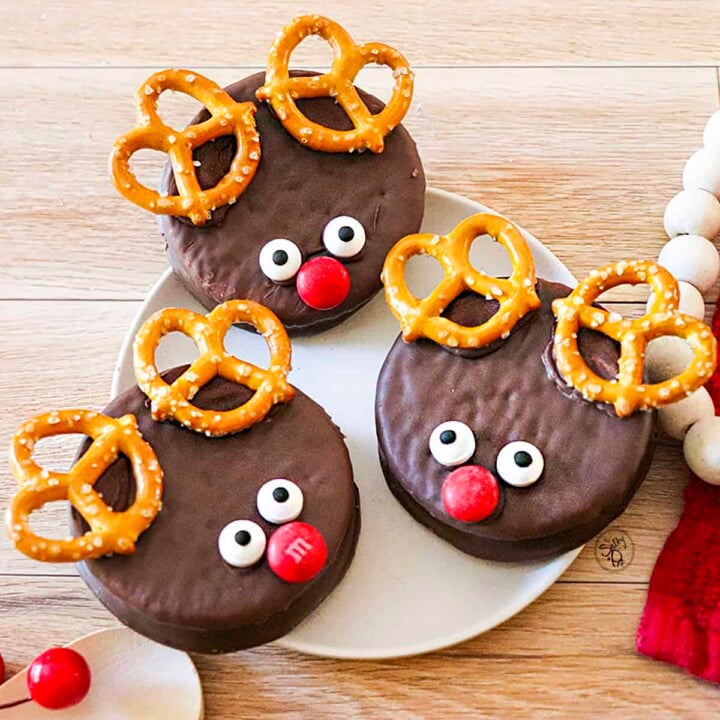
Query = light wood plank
x=494 y=32
x=574 y=646
x=585 y=159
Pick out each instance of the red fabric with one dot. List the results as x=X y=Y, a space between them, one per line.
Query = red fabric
x=681 y=620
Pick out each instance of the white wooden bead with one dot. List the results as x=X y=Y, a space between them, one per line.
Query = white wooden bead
x=711 y=136
x=693 y=212
x=677 y=418
x=666 y=357
x=691 y=258
x=702 y=449
x=691 y=301
x=702 y=171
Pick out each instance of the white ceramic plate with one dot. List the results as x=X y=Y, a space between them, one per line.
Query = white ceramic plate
x=132 y=678
x=407 y=591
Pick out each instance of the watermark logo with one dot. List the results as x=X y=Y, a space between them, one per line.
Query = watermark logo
x=614 y=549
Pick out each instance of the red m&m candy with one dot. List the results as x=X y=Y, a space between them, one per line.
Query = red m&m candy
x=323 y=283
x=296 y=552
x=470 y=493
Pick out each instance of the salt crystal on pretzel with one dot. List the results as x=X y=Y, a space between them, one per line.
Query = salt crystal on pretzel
x=282 y=91
x=423 y=318
x=628 y=392
x=227 y=117
x=208 y=332
x=110 y=532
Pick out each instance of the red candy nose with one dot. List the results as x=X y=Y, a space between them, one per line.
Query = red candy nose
x=470 y=493
x=296 y=552
x=323 y=283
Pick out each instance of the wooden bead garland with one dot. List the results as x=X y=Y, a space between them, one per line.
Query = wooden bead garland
x=692 y=221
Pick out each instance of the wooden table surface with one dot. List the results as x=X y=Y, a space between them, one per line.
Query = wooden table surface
x=573 y=118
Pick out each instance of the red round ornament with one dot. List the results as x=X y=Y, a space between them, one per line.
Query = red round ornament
x=296 y=552
x=59 y=678
x=470 y=493
x=323 y=283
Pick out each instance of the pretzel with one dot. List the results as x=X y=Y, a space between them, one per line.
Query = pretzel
x=423 y=318
x=110 y=532
x=627 y=392
x=281 y=90
x=208 y=332
x=227 y=116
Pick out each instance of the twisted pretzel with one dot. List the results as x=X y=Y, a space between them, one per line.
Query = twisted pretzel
x=110 y=532
x=281 y=90
x=208 y=332
x=152 y=133
x=627 y=392
x=423 y=318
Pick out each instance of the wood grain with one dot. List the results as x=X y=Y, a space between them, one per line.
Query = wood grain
x=573 y=120
x=584 y=160
x=493 y=32
x=571 y=649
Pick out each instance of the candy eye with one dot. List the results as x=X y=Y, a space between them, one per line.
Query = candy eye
x=452 y=443
x=344 y=236
x=241 y=543
x=280 y=259
x=520 y=463
x=279 y=501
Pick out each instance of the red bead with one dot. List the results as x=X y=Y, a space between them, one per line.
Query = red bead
x=323 y=283
x=470 y=493
x=59 y=678
x=296 y=552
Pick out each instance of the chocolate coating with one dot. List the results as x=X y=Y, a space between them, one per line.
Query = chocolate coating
x=176 y=588
x=294 y=194
x=594 y=461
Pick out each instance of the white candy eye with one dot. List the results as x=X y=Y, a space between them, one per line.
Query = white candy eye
x=344 y=236
x=280 y=259
x=241 y=543
x=452 y=443
x=279 y=501
x=520 y=463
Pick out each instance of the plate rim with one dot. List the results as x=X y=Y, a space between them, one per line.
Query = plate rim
x=564 y=560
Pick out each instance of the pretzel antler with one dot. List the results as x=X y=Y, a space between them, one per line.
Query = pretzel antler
x=227 y=117
x=423 y=318
x=627 y=392
x=110 y=532
x=208 y=332
x=281 y=90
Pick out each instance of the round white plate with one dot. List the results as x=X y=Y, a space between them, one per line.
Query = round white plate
x=407 y=591
x=132 y=677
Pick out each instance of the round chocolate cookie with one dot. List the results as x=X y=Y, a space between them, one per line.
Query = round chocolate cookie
x=495 y=454
x=179 y=586
x=294 y=197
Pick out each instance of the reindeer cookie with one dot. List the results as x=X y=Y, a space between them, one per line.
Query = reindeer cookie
x=291 y=187
x=260 y=515
x=510 y=412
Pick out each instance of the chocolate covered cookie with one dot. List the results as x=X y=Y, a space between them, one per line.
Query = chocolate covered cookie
x=290 y=187
x=555 y=469
x=256 y=528
x=510 y=413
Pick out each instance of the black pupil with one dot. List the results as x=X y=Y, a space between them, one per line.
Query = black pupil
x=346 y=233
x=523 y=459
x=447 y=437
x=280 y=494
x=280 y=257
x=242 y=537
